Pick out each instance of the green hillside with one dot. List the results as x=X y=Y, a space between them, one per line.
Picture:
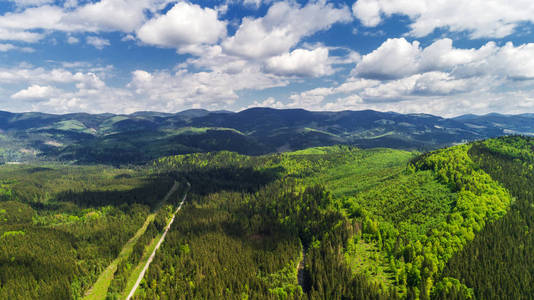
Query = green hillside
x=335 y=222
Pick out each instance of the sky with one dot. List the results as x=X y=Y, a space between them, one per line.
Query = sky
x=409 y=56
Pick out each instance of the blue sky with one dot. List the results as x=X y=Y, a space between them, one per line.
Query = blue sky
x=410 y=56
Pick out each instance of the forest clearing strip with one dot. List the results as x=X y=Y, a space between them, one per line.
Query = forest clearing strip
x=100 y=287
x=134 y=289
x=136 y=271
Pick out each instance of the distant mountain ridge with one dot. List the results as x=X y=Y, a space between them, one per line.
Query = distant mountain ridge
x=142 y=136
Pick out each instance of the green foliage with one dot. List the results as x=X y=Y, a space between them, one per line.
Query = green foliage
x=346 y=171
x=414 y=202
x=126 y=266
x=512 y=147
x=366 y=224
x=62 y=225
x=419 y=218
x=499 y=262
x=12 y=212
x=12 y=233
x=236 y=241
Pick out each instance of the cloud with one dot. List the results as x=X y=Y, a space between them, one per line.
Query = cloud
x=432 y=92
x=42 y=17
x=72 y=40
x=10 y=47
x=42 y=76
x=255 y=3
x=514 y=62
x=34 y=92
x=23 y=3
x=175 y=91
x=310 y=99
x=438 y=83
x=105 y=15
x=98 y=43
x=111 y=15
x=478 y=102
x=395 y=58
x=355 y=84
x=398 y=58
x=7 y=47
x=184 y=24
x=368 y=12
x=60 y=90
x=18 y=35
x=301 y=62
x=426 y=84
x=284 y=25
x=352 y=102
x=480 y=18
x=269 y=102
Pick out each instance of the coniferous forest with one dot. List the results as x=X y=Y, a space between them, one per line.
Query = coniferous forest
x=333 y=222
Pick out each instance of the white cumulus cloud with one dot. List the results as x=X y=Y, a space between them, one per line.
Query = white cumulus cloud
x=35 y=92
x=20 y=35
x=183 y=25
x=393 y=59
x=284 y=25
x=105 y=15
x=481 y=18
x=301 y=62
x=398 y=58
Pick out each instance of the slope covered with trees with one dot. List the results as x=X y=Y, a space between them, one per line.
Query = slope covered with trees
x=401 y=229
x=499 y=262
x=333 y=222
x=60 y=226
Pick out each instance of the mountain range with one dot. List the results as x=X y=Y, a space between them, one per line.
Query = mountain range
x=143 y=136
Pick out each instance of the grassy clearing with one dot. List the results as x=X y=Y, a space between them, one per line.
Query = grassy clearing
x=107 y=126
x=365 y=258
x=365 y=169
x=319 y=131
x=71 y=125
x=309 y=151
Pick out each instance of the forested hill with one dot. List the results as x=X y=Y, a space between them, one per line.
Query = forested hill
x=455 y=223
x=143 y=136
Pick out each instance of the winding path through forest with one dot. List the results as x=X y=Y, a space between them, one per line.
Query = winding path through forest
x=132 y=292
